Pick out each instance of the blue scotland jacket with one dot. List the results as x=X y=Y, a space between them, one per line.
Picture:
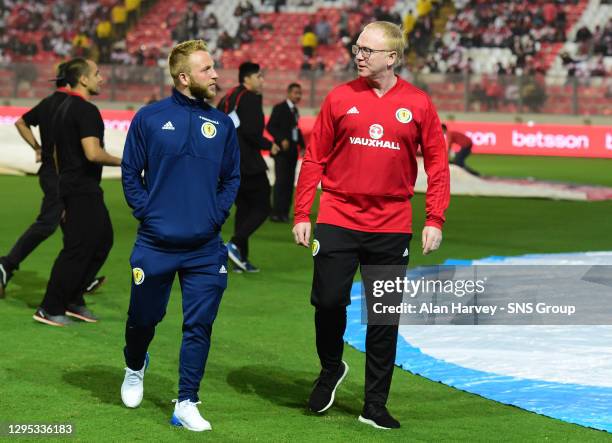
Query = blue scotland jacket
x=190 y=157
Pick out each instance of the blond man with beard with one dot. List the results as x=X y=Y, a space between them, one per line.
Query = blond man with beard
x=181 y=173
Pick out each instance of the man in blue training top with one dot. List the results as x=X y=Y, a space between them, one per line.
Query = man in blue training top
x=189 y=153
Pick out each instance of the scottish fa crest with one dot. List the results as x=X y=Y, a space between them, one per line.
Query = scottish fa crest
x=403 y=115
x=139 y=276
x=315 y=247
x=209 y=130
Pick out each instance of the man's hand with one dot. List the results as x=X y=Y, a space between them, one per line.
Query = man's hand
x=274 y=149
x=301 y=234
x=38 y=155
x=432 y=237
x=285 y=144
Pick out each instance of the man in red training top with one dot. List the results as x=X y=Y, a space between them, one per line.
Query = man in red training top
x=465 y=148
x=363 y=149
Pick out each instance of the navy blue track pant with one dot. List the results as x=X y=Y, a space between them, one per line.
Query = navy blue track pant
x=203 y=277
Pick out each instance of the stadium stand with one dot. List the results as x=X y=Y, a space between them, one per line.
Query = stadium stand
x=487 y=42
x=42 y=31
x=528 y=34
x=154 y=29
x=588 y=49
x=539 y=56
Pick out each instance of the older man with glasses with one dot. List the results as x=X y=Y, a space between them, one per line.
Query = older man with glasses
x=363 y=150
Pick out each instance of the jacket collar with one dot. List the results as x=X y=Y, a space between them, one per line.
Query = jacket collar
x=183 y=100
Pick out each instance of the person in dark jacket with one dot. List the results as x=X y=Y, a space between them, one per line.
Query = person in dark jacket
x=283 y=126
x=189 y=154
x=244 y=105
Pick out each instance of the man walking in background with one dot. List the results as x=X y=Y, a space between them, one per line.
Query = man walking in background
x=244 y=105
x=78 y=133
x=48 y=219
x=283 y=126
x=363 y=150
x=189 y=154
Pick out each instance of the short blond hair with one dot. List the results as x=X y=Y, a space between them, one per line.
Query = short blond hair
x=179 y=56
x=394 y=36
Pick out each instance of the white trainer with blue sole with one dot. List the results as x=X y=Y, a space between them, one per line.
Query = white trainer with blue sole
x=186 y=415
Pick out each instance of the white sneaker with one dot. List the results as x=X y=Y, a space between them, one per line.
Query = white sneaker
x=186 y=414
x=132 y=388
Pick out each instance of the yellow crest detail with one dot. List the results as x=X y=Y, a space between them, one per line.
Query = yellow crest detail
x=139 y=275
x=403 y=115
x=315 y=247
x=209 y=130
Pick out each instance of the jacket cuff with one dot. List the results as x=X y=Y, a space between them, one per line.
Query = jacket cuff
x=300 y=219
x=435 y=223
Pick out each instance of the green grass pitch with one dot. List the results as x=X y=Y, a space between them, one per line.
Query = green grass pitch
x=263 y=361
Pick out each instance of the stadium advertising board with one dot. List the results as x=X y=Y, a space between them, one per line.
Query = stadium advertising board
x=488 y=138
x=113 y=119
x=540 y=139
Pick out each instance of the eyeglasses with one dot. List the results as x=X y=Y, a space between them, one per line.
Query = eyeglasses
x=367 y=52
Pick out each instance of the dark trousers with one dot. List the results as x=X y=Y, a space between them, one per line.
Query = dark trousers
x=46 y=223
x=338 y=252
x=88 y=238
x=202 y=274
x=284 y=170
x=463 y=153
x=252 y=209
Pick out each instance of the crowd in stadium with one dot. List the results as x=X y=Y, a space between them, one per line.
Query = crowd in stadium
x=63 y=28
x=442 y=37
x=97 y=28
x=592 y=47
